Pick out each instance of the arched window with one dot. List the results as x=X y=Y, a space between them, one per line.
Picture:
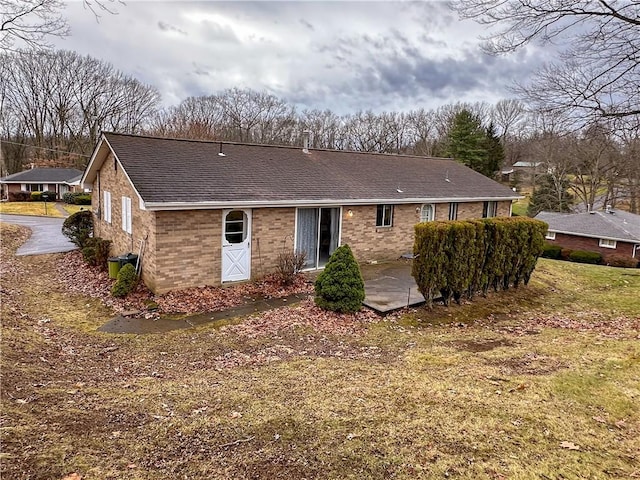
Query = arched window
x=235 y=226
x=426 y=213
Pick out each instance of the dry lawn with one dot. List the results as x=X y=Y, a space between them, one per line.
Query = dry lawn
x=30 y=208
x=542 y=382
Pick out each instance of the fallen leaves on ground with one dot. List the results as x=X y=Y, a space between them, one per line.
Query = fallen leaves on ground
x=619 y=326
x=79 y=277
x=306 y=314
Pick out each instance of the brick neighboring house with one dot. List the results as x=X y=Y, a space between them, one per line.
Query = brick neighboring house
x=217 y=212
x=609 y=232
x=59 y=180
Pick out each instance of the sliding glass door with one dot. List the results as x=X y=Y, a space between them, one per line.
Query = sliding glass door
x=317 y=234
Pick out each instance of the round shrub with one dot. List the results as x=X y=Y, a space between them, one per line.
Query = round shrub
x=581 y=256
x=52 y=196
x=126 y=282
x=83 y=199
x=78 y=228
x=565 y=253
x=96 y=252
x=552 y=251
x=621 y=261
x=36 y=196
x=340 y=286
x=21 y=196
x=77 y=198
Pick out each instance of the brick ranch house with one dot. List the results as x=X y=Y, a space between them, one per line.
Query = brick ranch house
x=216 y=212
x=59 y=180
x=609 y=232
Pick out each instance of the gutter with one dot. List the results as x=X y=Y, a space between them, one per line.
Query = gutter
x=590 y=235
x=159 y=206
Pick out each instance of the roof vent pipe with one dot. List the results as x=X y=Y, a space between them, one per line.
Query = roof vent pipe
x=306 y=140
x=221 y=153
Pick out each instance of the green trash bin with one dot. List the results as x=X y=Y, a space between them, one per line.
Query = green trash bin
x=131 y=258
x=114 y=267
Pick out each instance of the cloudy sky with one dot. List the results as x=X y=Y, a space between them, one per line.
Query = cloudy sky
x=343 y=56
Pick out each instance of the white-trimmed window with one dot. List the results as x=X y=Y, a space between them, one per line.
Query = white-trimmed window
x=427 y=213
x=489 y=209
x=453 y=211
x=607 y=243
x=34 y=187
x=550 y=236
x=384 y=216
x=106 y=206
x=126 y=214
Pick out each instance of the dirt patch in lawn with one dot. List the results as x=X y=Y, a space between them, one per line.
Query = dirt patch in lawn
x=528 y=364
x=481 y=345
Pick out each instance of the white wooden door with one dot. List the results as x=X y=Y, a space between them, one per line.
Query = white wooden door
x=236 y=245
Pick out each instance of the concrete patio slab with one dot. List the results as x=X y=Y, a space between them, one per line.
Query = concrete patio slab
x=389 y=286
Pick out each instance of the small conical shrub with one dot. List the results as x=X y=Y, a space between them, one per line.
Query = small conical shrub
x=126 y=282
x=340 y=286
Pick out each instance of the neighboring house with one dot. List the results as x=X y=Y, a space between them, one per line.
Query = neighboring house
x=59 y=180
x=527 y=170
x=215 y=212
x=609 y=232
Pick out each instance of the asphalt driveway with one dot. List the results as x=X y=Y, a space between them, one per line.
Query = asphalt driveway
x=46 y=234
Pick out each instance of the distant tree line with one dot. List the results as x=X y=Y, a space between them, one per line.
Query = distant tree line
x=55 y=103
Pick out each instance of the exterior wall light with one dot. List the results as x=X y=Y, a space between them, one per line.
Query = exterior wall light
x=349 y=213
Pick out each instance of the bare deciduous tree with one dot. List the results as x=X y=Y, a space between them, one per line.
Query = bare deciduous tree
x=31 y=23
x=597 y=74
x=63 y=100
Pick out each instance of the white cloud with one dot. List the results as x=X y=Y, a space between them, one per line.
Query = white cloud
x=338 y=55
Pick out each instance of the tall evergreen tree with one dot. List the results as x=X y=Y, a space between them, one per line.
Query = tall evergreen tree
x=550 y=195
x=471 y=144
x=495 y=151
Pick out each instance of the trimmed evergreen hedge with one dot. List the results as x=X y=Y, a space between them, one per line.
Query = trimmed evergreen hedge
x=582 y=256
x=552 y=251
x=464 y=257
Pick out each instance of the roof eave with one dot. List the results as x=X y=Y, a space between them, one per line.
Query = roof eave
x=98 y=157
x=159 y=206
x=594 y=235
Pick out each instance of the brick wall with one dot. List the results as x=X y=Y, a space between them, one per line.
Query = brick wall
x=113 y=180
x=189 y=249
x=189 y=245
x=272 y=231
x=592 y=245
x=369 y=242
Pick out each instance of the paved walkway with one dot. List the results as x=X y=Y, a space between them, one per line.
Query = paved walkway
x=388 y=286
x=61 y=209
x=122 y=324
x=46 y=234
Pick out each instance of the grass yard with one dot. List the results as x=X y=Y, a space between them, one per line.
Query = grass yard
x=541 y=382
x=520 y=207
x=30 y=208
x=71 y=209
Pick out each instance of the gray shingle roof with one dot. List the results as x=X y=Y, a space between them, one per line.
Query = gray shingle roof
x=619 y=225
x=174 y=171
x=43 y=175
